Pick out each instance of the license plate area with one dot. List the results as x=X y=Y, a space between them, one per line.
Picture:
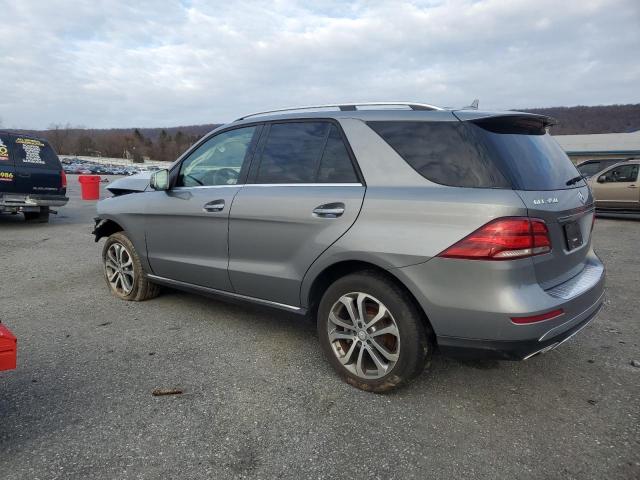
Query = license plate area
x=573 y=235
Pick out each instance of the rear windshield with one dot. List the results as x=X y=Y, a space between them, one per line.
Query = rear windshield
x=501 y=152
x=30 y=152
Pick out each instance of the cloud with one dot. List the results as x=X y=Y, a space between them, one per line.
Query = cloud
x=149 y=63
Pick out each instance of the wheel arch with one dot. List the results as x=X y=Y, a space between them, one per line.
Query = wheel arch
x=106 y=227
x=316 y=288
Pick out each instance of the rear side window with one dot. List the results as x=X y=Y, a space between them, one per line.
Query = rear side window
x=305 y=152
x=498 y=152
x=29 y=152
x=443 y=152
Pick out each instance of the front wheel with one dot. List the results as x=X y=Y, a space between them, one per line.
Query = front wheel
x=123 y=270
x=372 y=332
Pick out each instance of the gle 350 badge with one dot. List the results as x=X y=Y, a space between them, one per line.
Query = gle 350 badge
x=544 y=201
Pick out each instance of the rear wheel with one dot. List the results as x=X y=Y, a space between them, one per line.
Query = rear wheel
x=372 y=332
x=37 y=217
x=123 y=270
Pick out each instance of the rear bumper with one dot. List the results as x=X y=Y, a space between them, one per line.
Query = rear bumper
x=471 y=305
x=16 y=201
x=506 y=350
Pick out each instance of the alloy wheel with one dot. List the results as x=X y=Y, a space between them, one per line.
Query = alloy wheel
x=363 y=335
x=118 y=265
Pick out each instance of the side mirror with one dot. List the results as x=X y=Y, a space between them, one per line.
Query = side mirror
x=160 y=180
x=602 y=178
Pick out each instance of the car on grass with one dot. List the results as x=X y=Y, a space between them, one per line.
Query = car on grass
x=400 y=228
x=31 y=177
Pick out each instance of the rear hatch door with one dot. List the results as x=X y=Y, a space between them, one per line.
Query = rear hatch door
x=38 y=168
x=548 y=183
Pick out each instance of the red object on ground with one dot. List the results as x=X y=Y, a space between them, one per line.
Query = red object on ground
x=90 y=186
x=8 y=349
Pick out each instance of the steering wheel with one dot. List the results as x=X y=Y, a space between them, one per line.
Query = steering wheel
x=224 y=175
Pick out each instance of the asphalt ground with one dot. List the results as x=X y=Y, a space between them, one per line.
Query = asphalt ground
x=259 y=400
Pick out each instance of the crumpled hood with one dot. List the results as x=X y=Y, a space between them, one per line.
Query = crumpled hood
x=134 y=183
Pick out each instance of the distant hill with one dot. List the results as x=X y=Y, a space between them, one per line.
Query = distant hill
x=599 y=119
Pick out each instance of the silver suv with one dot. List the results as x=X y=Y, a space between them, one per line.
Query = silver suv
x=400 y=227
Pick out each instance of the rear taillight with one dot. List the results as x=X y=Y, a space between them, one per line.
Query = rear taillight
x=63 y=179
x=503 y=239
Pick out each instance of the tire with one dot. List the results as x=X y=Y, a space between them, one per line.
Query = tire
x=407 y=353
x=37 y=217
x=123 y=270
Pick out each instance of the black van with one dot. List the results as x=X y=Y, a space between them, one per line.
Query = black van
x=31 y=177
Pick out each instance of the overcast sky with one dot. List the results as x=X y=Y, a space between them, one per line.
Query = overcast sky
x=145 y=63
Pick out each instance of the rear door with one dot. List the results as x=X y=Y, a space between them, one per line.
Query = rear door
x=7 y=167
x=38 y=168
x=618 y=187
x=304 y=193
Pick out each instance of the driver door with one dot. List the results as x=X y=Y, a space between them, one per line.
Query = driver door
x=187 y=226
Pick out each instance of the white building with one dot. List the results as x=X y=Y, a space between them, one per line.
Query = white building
x=600 y=145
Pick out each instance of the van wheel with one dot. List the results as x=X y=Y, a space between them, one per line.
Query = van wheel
x=37 y=217
x=372 y=332
x=123 y=270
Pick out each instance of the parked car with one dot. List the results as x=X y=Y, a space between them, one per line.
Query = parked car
x=589 y=168
x=399 y=230
x=8 y=349
x=617 y=188
x=31 y=177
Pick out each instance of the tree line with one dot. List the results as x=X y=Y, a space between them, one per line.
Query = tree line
x=137 y=144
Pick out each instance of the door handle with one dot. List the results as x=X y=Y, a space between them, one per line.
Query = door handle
x=631 y=186
x=329 y=210
x=24 y=175
x=214 y=206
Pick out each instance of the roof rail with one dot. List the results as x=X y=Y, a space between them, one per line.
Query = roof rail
x=346 y=107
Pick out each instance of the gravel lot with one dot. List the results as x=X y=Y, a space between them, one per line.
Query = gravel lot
x=260 y=401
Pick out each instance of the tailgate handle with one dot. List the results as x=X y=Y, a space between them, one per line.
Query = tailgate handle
x=329 y=210
x=214 y=206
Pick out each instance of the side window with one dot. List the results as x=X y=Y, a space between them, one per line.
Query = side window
x=335 y=165
x=442 y=152
x=30 y=152
x=623 y=173
x=305 y=152
x=218 y=161
x=291 y=152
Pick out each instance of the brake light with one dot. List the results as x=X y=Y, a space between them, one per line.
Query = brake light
x=63 y=179
x=505 y=238
x=538 y=318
